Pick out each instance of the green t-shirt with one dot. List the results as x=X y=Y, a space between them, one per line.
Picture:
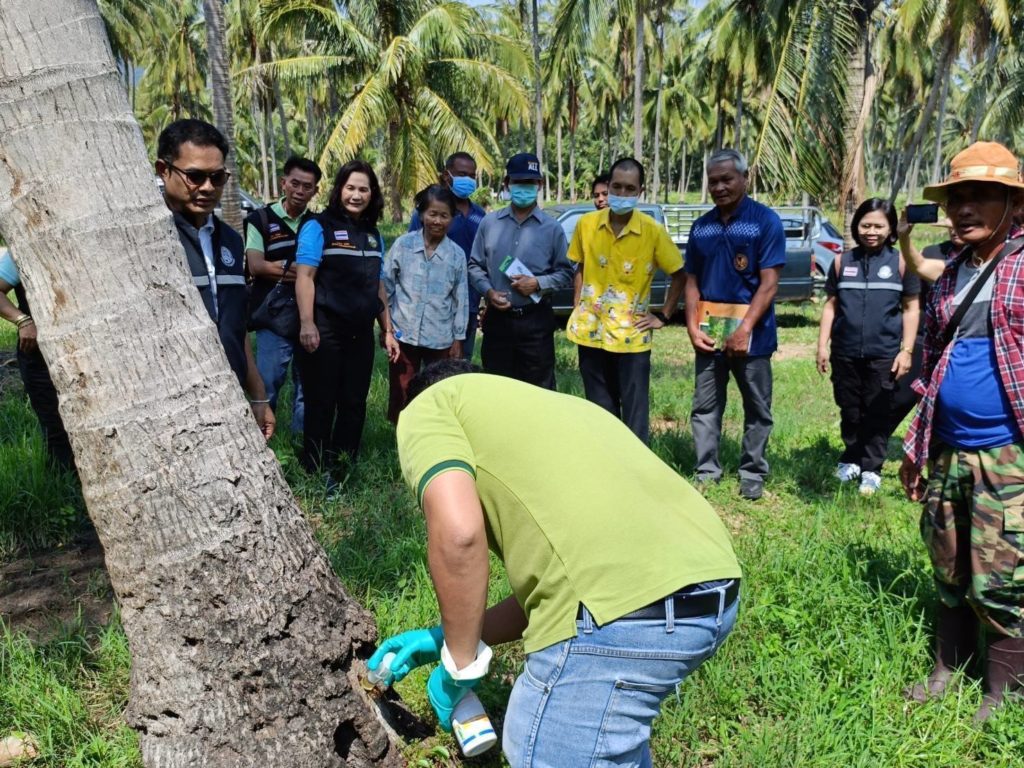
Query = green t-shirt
x=253 y=238
x=577 y=507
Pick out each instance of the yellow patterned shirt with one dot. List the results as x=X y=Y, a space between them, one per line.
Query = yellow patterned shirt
x=617 y=276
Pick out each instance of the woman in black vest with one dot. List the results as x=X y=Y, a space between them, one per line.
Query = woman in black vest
x=871 y=318
x=339 y=294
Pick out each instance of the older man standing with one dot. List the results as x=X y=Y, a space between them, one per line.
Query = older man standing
x=968 y=429
x=733 y=259
x=518 y=259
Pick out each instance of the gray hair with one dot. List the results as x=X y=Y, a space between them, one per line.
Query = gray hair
x=739 y=162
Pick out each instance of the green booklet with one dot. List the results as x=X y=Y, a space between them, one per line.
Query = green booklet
x=719 y=320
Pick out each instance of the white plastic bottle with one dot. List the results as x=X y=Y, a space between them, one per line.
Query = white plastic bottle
x=472 y=727
x=380 y=676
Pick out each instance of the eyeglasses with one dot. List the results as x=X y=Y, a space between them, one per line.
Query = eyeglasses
x=196 y=178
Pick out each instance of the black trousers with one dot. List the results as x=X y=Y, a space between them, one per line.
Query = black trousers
x=863 y=388
x=43 y=398
x=521 y=345
x=336 y=383
x=620 y=383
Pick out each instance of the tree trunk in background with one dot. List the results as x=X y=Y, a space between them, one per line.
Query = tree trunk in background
x=719 y=123
x=272 y=144
x=990 y=63
x=310 y=123
x=939 y=123
x=704 y=179
x=914 y=175
x=659 y=107
x=538 y=100
x=862 y=82
x=574 y=125
x=638 y=83
x=282 y=118
x=739 y=114
x=604 y=145
x=561 y=176
x=912 y=151
x=682 y=173
x=261 y=135
x=245 y=648
x=223 y=109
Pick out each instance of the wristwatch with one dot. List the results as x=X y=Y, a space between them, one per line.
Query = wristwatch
x=661 y=316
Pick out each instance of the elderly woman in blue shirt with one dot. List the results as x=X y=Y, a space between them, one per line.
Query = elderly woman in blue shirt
x=427 y=293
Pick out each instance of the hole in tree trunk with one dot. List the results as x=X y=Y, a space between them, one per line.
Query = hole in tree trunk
x=344 y=735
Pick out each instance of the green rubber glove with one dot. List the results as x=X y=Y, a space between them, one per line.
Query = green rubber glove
x=412 y=649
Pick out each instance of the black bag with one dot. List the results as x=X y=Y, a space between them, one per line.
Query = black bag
x=279 y=311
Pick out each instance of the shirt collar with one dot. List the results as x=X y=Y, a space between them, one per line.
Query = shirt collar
x=739 y=213
x=632 y=226
x=181 y=221
x=536 y=213
x=419 y=245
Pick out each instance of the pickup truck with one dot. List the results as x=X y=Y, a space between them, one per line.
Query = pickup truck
x=796 y=283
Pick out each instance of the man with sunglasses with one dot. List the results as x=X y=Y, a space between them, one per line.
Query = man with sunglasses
x=190 y=162
x=270 y=247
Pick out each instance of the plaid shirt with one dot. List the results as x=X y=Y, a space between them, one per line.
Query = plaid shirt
x=1008 y=326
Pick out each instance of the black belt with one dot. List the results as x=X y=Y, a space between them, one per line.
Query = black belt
x=527 y=309
x=687 y=604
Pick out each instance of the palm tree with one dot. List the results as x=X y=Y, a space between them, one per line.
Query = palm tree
x=223 y=111
x=429 y=78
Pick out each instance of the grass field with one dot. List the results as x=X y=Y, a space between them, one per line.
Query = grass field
x=835 y=617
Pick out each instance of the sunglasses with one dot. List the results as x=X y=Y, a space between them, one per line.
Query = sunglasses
x=196 y=178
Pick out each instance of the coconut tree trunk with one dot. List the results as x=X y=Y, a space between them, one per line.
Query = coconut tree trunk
x=659 y=107
x=538 y=97
x=223 y=111
x=272 y=144
x=638 y=83
x=561 y=176
x=261 y=136
x=738 y=135
x=990 y=62
x=310 y=123
x=282 y=118
x=244 y=645
x=939 y=123
x=862 y=81
x=682 y=173
x=704 y=179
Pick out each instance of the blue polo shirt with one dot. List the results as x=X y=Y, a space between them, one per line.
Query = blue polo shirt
x=727 y=261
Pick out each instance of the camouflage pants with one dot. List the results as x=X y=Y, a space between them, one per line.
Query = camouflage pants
x=973 y=526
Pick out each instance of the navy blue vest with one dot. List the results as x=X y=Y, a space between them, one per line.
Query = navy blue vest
x=348 y=278
x=229 y=311
x=279 y=244
x=869 y=315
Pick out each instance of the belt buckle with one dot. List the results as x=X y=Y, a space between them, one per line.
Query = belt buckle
x=518 y=311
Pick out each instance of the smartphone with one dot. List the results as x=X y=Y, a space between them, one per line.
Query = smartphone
x=923 y=213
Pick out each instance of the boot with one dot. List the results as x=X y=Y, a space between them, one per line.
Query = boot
x=1004 y=674
x=956 y=641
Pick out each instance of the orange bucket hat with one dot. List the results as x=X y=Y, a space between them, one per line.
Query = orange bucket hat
x=982 y=161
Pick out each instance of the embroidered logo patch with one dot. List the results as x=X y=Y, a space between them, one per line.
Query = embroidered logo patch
x=740 y=261
x=341 y=234
x=371 y=241
x=885 y=272
x=533 y=166
x=849 y=271
x=227 y=258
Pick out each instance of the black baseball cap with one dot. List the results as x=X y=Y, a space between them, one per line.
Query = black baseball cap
x=523 y=166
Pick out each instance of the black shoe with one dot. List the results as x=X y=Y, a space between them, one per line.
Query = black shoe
x=705 y=478
x=751 y=490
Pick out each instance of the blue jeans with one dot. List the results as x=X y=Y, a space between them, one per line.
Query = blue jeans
x=589 y=702
x=273 y=354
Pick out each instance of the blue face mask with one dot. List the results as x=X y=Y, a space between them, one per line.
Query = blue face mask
x=622 y=204
x=463 y=186
x=523 y=195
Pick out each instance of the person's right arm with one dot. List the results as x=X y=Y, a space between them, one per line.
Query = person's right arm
x=308 y=255
x=256 y=259
x=701 y=341
x=828 y=316
x=927 y=269
x=9 y=312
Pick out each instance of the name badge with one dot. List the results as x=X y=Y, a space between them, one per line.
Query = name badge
x=275 y=227
x=849 y=271
x=341 y=234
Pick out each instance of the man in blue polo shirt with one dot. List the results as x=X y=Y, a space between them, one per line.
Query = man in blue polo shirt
x=733 y=259
x=459 y=175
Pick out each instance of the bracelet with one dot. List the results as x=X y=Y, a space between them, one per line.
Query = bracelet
x=908 y=350
x=24 y=320
x=259 y=402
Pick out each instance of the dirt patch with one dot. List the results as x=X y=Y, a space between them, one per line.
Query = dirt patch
x=796 y=351
x=664 y=424
x=45 y=591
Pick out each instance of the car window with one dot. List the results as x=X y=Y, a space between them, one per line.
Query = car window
x=830 y=230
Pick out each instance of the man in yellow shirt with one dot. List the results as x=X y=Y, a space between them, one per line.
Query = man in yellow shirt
x=618 y=250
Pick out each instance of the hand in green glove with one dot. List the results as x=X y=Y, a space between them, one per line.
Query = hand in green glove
x=445 y=693
x=412 y=649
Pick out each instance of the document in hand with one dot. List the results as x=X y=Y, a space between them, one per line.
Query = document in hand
x=718 y=320
x=513 y=266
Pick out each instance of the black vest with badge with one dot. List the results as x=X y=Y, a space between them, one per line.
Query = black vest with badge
x=279 y=244
x=869 y=315
x=229 y=310
x=348 y=278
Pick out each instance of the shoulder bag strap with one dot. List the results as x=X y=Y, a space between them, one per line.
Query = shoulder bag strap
x=954 y=322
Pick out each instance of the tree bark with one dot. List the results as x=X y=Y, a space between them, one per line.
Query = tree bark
x=682 y=173
x=310 y=122
x=282 y=118
x=538 y=100
x=939 y=123
x=261 y=135
x=704 y=179
x=245 y=647
x=659 y=108
x=862 y=81
x=223 y=110
x=272 y=145
x=638 y=84
x=739 y=114
x=558 y=140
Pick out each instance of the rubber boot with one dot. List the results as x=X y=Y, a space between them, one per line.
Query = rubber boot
x=956 y=642
x=1004 y=674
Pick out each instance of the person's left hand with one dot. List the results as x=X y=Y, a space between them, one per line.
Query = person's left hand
x=27 y=342
x=265 y=418
x=738 y=343
x=526 y=286
x=390 y=344
x=455 y=351
x=912 y=480
x=444 y=694
x=647 y=322
x=901 y=365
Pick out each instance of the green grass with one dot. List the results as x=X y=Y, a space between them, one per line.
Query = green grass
x=835 y=618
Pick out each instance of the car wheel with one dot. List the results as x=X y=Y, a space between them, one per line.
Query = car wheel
x=818 y=279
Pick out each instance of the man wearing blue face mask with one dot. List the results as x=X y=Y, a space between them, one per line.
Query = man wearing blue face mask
x=459 y=175
x=618 y=250
x=518 y=260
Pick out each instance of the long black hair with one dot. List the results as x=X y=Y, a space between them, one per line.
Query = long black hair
x=868 y=206
x=371 y=214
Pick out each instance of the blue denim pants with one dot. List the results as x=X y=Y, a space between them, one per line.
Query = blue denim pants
x=273 y=354
x=589 y=702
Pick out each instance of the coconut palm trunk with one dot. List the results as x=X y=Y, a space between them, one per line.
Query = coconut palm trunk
x=244 y=645
x=538 y=97
x=223 y=110
x=862 y=82
x=638 y=83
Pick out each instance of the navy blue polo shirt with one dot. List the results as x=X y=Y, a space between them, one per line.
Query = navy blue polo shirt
x=727 y=261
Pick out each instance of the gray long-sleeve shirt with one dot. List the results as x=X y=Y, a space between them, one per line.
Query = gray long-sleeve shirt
x=538 y=242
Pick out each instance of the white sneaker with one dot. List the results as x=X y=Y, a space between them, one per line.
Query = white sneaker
x=847 y=472
x=869 y=483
